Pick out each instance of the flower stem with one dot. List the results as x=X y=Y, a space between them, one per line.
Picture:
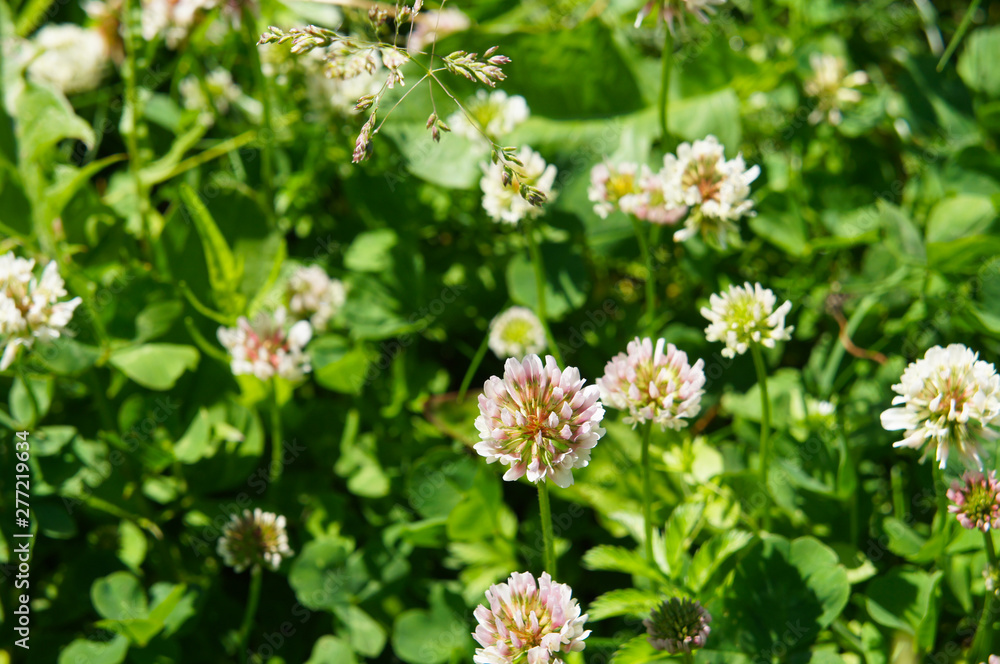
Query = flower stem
x=536 y=261
x=477 y=359
x=252 y=601
x=647 y=490
x=546 y=510
x=668 y=62
x=277 y=451
x=765 y=429
x=982 y=642
x=133 y=110
x=941 y=491
x=688 y=658
x=640 y=236
x=959 y=34
x=267 y=132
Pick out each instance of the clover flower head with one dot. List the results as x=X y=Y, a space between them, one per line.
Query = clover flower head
x=653 y=384
x=503 y=202
x=678 y=626
x=265 y=348
x=256 y=538
x=30 y=308
x=172 y=19
x=314 y=296
x=539 y=419
x=832 y=87
x=744 y=315
x=496 y=112
x=610 y=183
x=70 y=58
x=994 y=659
x=976 y=501
x=671 y=10
x=715 y=191
x=435 y=24
x=515 y=333
x=946 y=401
x=534 y=623
x=633 y=189
x=220 y=88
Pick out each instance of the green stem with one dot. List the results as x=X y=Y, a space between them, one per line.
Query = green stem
x=688 y=658
x=647 y=490
x=982 y=642
x=941 y=491
x=251 y=611
x=477 y=359
x=668 y=62
x=264 y=90
x=133 y=108
x=765 y=426
x=957 y=39
x=276 y=446
x=640 y=236
x=550 y=544
x=536 y=261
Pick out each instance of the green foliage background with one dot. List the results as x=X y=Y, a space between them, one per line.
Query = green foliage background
x=146 y=442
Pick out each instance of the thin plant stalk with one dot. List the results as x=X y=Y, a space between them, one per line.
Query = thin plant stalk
x=264 y=89
x=765 y=429
x=547 y=537
x=477 y=359
x=647 y=255
x=277 y=451
x=647 y=490
x=668 y=63
x=688 y=658
x=941 y=492
x=982 y=642
x=251 y=611
x=959 y=34
x=536 y=261
x=133 y=107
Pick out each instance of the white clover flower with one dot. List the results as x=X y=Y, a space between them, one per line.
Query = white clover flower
x=527 y=623
x=670 y=10
x=30 y=308
x=634 y=190
x=948 y=400
x=435 y=24
x=610 y=183
x=251 y=539
x=515 y=333
x=715 y=190
x=744 y=315
x=539 y=420
x=69 y=58
x=496 y=112
x=832 y=87
x=172 y=19
x=341 y=88
x=653 y=385
x=315 y=296
x=222 y=92
x=504 y=203
x=265 y=349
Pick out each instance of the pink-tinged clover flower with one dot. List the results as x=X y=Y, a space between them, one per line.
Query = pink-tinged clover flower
x=678 y=626
x=671 y=10
x=653 y=384
x=256 y=538
x=539 y=420
x=976 y=501
x=265 y=348
x=529 y=623
x=947 y=401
